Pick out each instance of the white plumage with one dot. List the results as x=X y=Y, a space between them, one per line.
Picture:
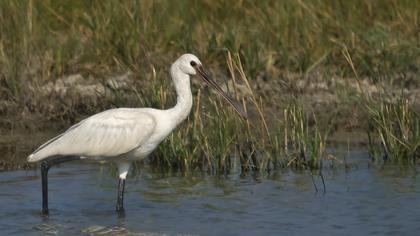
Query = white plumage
x=107 y=134
x=126 y=134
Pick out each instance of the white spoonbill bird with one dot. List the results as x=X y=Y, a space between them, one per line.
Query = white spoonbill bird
x=124 y=135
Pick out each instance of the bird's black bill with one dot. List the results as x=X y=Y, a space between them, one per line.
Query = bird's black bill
x=207 y=78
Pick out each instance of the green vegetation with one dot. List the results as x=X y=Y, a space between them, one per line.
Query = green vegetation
x=394 y=126
x=395 y=131
x=214 y=139
x=276 y=46
x=43 y=40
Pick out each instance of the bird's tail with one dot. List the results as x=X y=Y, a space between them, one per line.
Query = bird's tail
x=32 y=158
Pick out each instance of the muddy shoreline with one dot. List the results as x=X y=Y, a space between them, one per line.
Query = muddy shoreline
x=45 y=110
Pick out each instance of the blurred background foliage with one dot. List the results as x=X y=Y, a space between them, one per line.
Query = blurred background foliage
x=41 y=40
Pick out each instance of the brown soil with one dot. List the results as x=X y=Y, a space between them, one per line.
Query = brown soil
x=42 y=111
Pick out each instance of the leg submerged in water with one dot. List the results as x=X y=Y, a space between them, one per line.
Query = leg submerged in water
x=120 y=196
x=45 y=167
x=123 y=169
x=44 y=175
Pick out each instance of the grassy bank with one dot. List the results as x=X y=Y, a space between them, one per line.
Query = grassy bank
x=289 y=70
x=43 y=40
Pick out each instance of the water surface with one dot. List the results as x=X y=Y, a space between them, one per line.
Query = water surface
x=366 y=199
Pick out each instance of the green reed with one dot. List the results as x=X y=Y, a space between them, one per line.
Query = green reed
x=394 y=125
x=42 y=40
x=215 y=139
x=394 y=131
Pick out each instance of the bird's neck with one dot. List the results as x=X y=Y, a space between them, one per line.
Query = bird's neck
x=184 y=97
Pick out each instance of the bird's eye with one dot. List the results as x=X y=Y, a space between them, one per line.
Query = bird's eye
x=193 y=63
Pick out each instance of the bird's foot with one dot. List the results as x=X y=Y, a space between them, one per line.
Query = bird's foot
x=120 y=211
x=45 y=212
x=119 y=208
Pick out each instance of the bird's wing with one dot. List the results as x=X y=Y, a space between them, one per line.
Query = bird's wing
x=110 y=133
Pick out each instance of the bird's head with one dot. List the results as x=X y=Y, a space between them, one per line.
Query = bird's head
x=187 y=63
x=190 y=64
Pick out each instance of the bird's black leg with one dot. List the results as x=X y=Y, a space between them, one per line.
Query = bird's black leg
x=120 y=196
x=45 y=166
x=44 y=175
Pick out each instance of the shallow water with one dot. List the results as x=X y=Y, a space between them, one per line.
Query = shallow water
x=366 y=199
